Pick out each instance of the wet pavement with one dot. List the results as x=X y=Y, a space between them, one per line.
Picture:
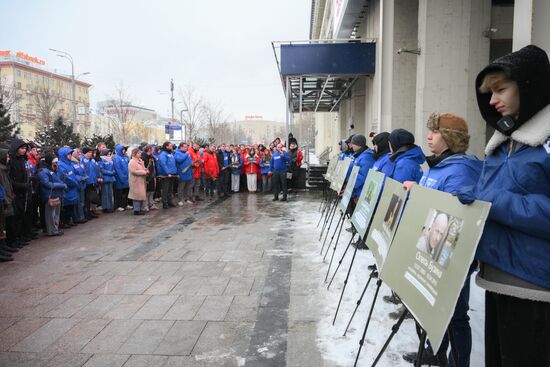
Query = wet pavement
x=220 y=283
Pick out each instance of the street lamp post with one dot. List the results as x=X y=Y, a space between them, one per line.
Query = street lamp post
x=184 y=128
x=67 y=56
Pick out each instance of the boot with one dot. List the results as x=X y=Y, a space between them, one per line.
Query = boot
x=428 y=358
x=5 y=258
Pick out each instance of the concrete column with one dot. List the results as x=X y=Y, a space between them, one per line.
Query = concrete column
x=453 y=51
x=532 y=24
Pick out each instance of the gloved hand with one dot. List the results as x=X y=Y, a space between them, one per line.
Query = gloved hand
x=465 y=197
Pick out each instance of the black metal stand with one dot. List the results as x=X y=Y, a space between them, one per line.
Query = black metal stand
x=342 y=259
x=334 y=249
x=373 y=274
x=325 y=207
x=394 y=330
x=333 y=213
x=345 y=284
x=362 y=341
x=339 y=225
x=330 y=210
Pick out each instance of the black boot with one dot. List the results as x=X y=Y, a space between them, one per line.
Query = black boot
x=428 y=358
x=4 y=258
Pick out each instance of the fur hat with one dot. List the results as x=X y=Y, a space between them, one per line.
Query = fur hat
x=453 y=128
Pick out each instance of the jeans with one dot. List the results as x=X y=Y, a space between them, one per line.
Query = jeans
x=266 y=183
x=278 y=182
x=80 y=214
x=222 y=181
x=167 y=190
x=185 y=190
x=139 y=205
x=107 y=196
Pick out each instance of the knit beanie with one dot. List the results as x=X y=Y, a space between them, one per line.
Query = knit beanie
x=400 y=138
x=359 y=140
x=453 y=129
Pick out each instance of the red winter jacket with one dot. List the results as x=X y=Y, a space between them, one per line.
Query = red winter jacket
x=211 y=168
x=251 y=164
x=197 y=163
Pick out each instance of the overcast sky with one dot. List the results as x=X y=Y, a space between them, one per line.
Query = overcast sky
x=222 y=48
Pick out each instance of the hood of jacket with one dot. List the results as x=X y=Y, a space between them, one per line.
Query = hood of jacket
x=415 y=154
x=62 y=155
x=15 y=145
x=118 y=149
x=530 y=69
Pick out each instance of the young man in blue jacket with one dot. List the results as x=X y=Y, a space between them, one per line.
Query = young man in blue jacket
x=513 y=94
x=450 y=170
x=168 y=173
x=66 y=174
x=184 y=165
x=121 y=186
x=406 y=157
x=278 y=167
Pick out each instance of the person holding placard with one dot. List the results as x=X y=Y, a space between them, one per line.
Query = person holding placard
x=382 y=153
x=406 y=157
x=450 y=170
x=513 y=94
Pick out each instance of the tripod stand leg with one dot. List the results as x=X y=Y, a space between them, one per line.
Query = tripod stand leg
x=331 y=219
x=362 y=341
x=345 y=284
x=333 y=250
x=373 y=274
x=327 y=216
x=340 y=220
x=325 y=203
x=421 y=348
x=340 y=262
x=394 y=330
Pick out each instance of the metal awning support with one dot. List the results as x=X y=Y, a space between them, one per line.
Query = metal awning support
x=344 y=93
x=321 y=94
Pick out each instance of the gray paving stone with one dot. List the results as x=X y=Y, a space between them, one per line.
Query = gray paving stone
x=201 y=268
x=164 y=285
x=80 y=335
x=45 y=336
x=155 y=307
x=71 y=306
x=20 y=330
x=127 y=307
x=89 y=285
x=68 y=360
x=7 y=322
x=111 y=338
x=214 y=308
x=239 y=286
x=17 y=359
x=99 y=306
x=243 y=308
x=146 y=361
x=167 y=269
x=181 y=338
x=125 y=284
x=146 y=338
x=222 y=339
x=145 y=268
x=185 y=308
x=107 y=360
x=211 y=256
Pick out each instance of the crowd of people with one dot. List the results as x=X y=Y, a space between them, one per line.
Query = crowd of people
x=513 y=255
x=49 y=190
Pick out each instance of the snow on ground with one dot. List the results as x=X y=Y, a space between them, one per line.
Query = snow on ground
x=341 y=350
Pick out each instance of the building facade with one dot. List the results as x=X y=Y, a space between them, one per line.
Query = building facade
x=427 y=55
x=40 y=95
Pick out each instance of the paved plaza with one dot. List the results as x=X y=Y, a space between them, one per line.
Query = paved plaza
x=221 y=283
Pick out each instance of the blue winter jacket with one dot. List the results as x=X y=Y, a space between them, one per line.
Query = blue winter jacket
x=279 y=162
x=364 y=161
x=1 y=193
x=51 y=186
x=120 y=162
x=384 y=164
x=236 y=170
x=184 y=162
x=107 y=170
x=407 y=166
x=167 y=164
x=453 y=174
x=516 y=238
x=93 y=170
x=80 y=173
x=65 y=172
x=264 y=166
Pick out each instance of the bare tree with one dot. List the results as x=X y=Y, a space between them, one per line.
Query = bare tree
x=215 y=123
x=194 y=115
x=46 y=100
x=119 y=113
x=7 y=91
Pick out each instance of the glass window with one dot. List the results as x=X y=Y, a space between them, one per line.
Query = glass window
x=19 y=85
x=18 y=72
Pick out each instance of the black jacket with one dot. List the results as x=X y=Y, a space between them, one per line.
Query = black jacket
x=18 y=175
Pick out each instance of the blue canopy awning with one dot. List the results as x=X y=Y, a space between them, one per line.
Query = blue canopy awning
x=317 y=76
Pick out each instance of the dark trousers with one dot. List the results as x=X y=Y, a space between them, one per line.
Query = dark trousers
x=210 y=186
x=14 y=225
x=121 y=198
x=69 y=213
x=167 y=190
x=91 y=190
x=517 y=331
x=278 y=182
x=223 y=181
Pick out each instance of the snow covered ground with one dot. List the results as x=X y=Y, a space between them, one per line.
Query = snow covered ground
x=341 y=350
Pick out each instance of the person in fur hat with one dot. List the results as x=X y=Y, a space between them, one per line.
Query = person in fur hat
x=450 y=170
x=513 y=95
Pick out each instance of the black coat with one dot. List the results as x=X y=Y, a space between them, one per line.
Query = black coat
x=18 y=176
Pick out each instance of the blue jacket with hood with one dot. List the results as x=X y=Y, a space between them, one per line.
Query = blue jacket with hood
x=384 y=164
x=453 y=173
x=93 y=170
x=167 y=163
x=365 y=161
x=184 y=162
x=406 y=167
x=65 y=172
x=120 y=163
x=51 y=186
x=80 y=172
x=516 y=173
x=107 y=170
